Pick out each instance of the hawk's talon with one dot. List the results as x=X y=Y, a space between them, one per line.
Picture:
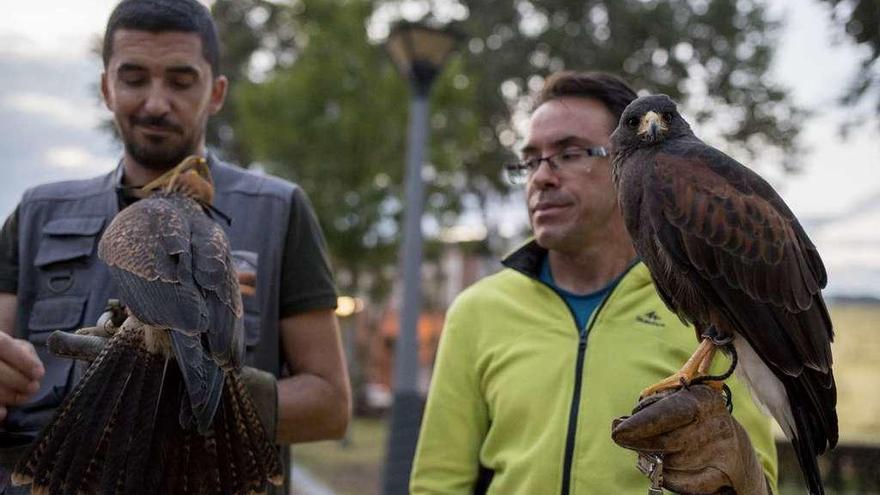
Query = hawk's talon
x=720 y=341
x=693 y=372
x=728 y=396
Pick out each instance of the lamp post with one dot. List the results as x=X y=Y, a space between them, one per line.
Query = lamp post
x=419 y=53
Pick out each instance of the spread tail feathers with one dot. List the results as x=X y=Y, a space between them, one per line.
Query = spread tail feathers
x=233 y=457
x=119 y=432
x=99 y=422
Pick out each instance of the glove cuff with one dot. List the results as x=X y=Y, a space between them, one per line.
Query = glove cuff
x=753 y=480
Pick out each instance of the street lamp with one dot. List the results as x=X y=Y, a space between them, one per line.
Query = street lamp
x=419 y=52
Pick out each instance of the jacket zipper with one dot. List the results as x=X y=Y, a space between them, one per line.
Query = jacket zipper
x=578 y=378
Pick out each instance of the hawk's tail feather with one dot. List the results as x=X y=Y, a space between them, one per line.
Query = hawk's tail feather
x=162 y=460
x=103 y=414
x=125 y=470
x=119 y=432
x=118 y=441
x=228 y=453
x=37 y=457
x=236 y=441
x=233 y=457
x=65 y=430
x=98 y=425
x=264 y=452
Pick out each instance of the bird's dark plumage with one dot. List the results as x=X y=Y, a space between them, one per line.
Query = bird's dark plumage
x=727 y=254
x=162 y=408
x=173 y=268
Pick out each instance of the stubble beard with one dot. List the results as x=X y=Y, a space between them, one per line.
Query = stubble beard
x=159 y=155
x=158 y=158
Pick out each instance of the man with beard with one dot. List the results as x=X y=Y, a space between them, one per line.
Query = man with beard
x=536 y=360
x=161 y=82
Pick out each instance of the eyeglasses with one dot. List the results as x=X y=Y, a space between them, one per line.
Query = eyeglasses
x=518 y=173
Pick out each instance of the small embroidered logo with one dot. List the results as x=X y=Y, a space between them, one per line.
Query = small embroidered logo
x=651 y=318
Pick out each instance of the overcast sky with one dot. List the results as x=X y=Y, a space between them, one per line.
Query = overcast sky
x=49 y=109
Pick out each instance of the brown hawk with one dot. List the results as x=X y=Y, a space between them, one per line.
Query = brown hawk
x=728 y=255
x=162 y=409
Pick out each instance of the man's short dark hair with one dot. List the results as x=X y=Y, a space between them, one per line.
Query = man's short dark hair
x=159 y=16
x=609 y=89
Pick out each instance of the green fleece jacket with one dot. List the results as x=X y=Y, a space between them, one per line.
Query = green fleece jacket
x=522 y=403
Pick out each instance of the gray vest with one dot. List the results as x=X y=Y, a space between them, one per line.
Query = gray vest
x=62 y=285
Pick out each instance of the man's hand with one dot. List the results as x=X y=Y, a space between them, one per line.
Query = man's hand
x=247 y=283
x=20 y=372
x=704 y=449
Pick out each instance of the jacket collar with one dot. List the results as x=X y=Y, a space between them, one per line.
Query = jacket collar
x=527 y=259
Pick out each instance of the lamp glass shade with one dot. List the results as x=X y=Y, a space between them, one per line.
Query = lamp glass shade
x=413 y=44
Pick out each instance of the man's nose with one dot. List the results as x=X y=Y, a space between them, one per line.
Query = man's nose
x=157 y=102
x=545 y=175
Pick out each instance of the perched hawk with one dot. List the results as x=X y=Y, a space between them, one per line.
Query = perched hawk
x=728 y=255
x=162 y=409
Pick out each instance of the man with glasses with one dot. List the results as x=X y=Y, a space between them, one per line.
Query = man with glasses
x=536 y=360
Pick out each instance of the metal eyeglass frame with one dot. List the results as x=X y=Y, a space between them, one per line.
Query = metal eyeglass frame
x=518 y=173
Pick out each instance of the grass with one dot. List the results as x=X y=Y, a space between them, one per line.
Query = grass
x=351 y=466
x=857 y=371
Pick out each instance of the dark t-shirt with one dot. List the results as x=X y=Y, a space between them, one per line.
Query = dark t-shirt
x=9 y=254
x=306 y=281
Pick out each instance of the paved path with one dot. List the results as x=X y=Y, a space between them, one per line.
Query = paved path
x=304 y=483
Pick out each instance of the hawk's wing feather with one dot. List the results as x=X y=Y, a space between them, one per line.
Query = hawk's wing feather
x=174 y=270
x=162 y=304
x=215 y=274
x=203 y=379
x=720 y=206
x=142 y=238
x=734 y=232
x=147 y=248
x=728 y=232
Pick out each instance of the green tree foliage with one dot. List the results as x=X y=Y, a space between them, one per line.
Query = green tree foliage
x=253 y=33
x=335 y=122
x=333 y=116
x=861 y=20
x=718 y=53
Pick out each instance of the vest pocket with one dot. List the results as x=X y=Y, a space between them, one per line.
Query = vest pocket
x=66 y=247
x=67 y=239
x=248 y=261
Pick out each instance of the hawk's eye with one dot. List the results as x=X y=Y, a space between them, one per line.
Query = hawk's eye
x=632 y=122
x=667 y=117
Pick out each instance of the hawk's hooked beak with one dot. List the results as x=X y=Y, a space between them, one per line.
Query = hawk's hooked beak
x=652 y=125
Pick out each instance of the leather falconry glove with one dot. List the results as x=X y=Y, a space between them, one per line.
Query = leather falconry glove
x=704 y=450
x=87 y=343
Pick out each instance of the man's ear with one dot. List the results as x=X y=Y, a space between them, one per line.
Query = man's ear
x=105 y=91
x=218 y=94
